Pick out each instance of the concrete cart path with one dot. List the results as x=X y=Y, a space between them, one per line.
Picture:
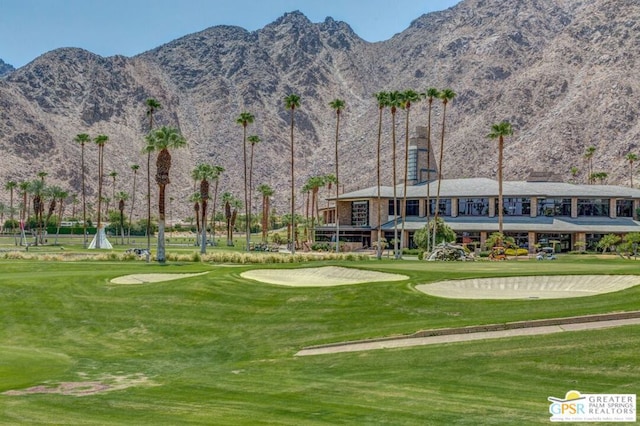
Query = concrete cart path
x=402 y=342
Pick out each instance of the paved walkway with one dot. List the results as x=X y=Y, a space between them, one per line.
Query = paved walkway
x=454 y=337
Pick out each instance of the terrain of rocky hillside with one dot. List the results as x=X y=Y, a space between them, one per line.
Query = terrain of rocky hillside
x=563 y=72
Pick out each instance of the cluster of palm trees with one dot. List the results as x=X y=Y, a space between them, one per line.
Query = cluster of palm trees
x=404 y=100
x=592 y=176
x=40 y=193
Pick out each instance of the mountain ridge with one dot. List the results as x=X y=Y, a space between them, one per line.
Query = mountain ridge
x=560 y=71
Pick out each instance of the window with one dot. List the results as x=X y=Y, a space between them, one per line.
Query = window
x=360 y=213
x=473 y=206
x=593 y=207
x=518 y=206
x=554 y=206
x=413 y=208
x=392 y=211
x=445 y=206
x=624 y=208
x=412 y=171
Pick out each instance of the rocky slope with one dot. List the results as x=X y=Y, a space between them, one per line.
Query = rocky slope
x=5 y=68
x=562 y=71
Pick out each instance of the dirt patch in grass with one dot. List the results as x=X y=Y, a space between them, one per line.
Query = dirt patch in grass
x=531 y=287
x=325 y=276
x=151 y=278
x=105 y=383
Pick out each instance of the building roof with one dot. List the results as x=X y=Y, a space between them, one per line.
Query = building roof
x=484 y=188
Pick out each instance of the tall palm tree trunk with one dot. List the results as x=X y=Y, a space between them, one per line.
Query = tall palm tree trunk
x=133 y=203
x=247 y=226
x=293 y=193
x=379 y=209
x=98 y=236
x=429 y=150
x=441 y=155
x=337 y=186
x=84 y=201
x=148 y=206
x=500 y=200
x=406 y=178
x=394 y=178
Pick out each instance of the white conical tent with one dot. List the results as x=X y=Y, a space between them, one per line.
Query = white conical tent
x=104 y=243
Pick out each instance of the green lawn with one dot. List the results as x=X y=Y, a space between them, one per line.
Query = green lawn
x=218 y=349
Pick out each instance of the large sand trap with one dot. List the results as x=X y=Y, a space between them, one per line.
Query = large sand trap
x=151 y=278
x=542 y=287
x=325 y=276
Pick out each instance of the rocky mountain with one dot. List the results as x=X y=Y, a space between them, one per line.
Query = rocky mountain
x=5 y=68
x=562 y=71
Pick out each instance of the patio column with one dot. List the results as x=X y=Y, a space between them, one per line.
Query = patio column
x=532 y=242
x=612 y=208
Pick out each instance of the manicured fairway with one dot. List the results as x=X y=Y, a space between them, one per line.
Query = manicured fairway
x=219 y=349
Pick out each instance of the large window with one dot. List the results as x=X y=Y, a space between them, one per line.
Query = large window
x=360 y=213
x=413 y=207
x=624 y=208
x=445 y=206
x=392 y=210
x=554 y=206
x=473 y=206
x=517 y=206
x=593 y=207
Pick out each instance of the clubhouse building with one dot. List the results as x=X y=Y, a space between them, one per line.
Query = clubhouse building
x=535 y=211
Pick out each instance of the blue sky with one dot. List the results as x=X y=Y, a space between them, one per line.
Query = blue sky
x=29 y=28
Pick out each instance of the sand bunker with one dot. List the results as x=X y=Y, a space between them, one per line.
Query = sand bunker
x=542 y=287
x=325 y=276
x=151 y=278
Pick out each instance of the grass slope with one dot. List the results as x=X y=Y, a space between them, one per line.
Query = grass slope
x=218 y=349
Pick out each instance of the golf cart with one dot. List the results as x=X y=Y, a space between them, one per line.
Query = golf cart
x=546 y=253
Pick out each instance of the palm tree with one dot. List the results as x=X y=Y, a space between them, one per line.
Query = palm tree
x=51 y=192
x=446 y=95
x=631 y=157
x=382 y=99
x=588 y=155
x=313 y=185
x=134 y=168
x=11 y=186
x=574 y=173
x=253 y=140
x=100 y=140
x=394 y=99
x=204 y=172
x=152 y=106
x=431 y=94
x=244 y=119
x=337 y=105
x=266 y=192
x=24 y=187
x=161 y=140
x=407 y=98
x=195 y=199
x=62 y=195
x=499 y=131
x=36 y=188
x=121 y=197
x=113 y=174
x=83 y=138
x=230 y=202
x=292 y=102
x=218 y=170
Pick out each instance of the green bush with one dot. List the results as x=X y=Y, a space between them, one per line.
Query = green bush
x=516 y=252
